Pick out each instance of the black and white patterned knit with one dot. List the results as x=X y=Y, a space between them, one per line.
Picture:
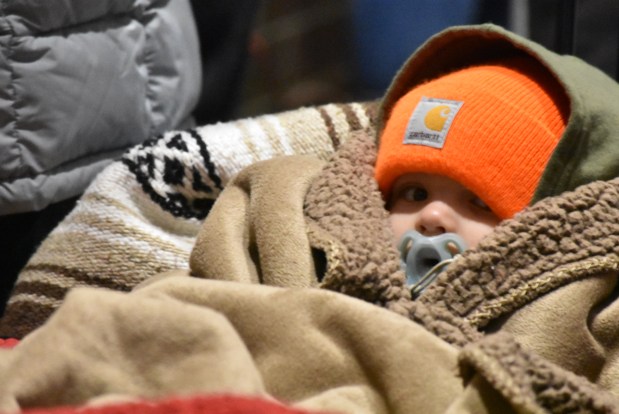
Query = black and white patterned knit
x=141 y=215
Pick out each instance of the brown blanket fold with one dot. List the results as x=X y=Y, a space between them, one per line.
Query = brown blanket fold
x=313 y=348
x=526 y=322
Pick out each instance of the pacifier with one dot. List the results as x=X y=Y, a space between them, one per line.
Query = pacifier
x=423 y=258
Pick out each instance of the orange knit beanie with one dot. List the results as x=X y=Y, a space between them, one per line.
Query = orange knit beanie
x=491 y=127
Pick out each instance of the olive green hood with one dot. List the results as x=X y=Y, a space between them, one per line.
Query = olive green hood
x=589 y=148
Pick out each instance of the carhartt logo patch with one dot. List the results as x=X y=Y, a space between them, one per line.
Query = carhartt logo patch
x=430 y=122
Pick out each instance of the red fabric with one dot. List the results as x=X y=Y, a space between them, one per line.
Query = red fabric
x=225 y=404
x=8 y=343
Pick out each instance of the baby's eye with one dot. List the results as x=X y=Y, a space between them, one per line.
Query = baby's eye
x=477 y=202
x=414 y=193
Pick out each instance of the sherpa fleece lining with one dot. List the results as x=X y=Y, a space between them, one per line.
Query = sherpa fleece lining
x=348 y=221
x=555 y=242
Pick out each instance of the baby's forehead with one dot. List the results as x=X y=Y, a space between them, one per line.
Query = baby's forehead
x=427 y=177
x=430 y=181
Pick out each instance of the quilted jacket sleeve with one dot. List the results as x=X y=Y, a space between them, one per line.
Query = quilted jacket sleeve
x=81 y=82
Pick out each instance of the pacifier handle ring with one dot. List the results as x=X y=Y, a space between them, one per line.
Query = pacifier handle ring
x=418 y=288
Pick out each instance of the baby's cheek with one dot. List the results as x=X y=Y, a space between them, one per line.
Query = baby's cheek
x=399 y=225
x=476 y=233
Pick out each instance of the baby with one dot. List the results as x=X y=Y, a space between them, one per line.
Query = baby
x=462 y=152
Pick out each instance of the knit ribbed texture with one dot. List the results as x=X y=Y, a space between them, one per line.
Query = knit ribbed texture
x=498 y=142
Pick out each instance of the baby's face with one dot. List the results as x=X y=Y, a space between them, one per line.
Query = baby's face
x=434 y=204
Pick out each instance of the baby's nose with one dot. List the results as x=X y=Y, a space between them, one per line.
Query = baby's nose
x=436 y=218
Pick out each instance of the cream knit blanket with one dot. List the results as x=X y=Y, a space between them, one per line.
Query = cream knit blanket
x=141 y=215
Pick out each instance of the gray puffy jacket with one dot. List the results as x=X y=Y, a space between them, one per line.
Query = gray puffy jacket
x=83 y=80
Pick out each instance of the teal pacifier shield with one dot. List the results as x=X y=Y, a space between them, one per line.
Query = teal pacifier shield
x=420 y=254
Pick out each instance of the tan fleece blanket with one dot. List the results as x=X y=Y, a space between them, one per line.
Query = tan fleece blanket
x=323 y=350
x=309 y=348
x=312 y=348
